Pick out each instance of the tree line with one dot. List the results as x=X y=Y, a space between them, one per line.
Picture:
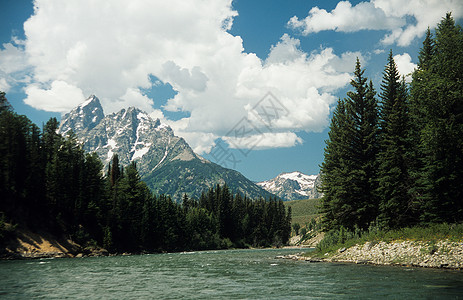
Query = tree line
x=48 y=183
x=396 y=160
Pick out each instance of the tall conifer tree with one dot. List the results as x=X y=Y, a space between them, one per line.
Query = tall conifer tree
x=333 y=170
x=348 y=172
x=363 y=109
x=394 y=180
x=437 y=90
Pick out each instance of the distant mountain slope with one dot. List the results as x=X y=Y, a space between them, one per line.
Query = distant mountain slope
x=293 y=186
x=165 y=161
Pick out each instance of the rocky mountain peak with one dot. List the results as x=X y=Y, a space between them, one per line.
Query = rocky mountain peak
x=165 y=161
x=84 y=117
x=293 y=185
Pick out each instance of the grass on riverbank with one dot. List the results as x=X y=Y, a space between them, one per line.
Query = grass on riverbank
x=343 y=238
x=303 y=211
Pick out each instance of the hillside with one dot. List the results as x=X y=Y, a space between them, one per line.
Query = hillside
x=303 y=211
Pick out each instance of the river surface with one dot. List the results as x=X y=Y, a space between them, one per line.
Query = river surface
x=227 y=274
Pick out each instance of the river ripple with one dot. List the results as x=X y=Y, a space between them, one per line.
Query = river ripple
x=228 y=274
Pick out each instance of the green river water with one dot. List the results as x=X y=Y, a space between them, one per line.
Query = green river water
x=227 y=274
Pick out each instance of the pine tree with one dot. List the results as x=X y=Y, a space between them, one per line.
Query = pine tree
x=348 y=172
x=362 y=106
x=114 y=170
x=426 y=52
x=333 y=170
x=437 y=99
x=93 y=196
x=396 y=208
x=419 y=90
x=4 y=104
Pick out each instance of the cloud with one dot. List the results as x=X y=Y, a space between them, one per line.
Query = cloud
x=135 y=98
x=346 y=63
x=13 y=66
x=116 y=48
x=346 y=18
x=57 y=98
x=286 y=50
x=405 y=20
x=183 y=78
x=4 y=85
x=264 y=141
x=405 y=65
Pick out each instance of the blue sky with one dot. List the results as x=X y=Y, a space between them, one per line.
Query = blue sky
x=206 y=67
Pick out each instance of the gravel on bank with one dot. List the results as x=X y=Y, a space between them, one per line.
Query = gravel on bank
x=441 y=254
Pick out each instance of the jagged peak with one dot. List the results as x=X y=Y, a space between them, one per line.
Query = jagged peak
x=83 y=117
x=91 y=101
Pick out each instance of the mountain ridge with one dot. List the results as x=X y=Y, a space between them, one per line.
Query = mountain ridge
x=165 y=161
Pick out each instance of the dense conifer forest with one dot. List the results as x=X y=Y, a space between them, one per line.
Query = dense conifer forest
x=395 y=159
x=48 y=183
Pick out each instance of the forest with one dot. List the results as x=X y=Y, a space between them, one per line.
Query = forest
x=395 y=159
x=49 y=184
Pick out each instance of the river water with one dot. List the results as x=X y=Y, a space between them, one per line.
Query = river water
x=227 y=274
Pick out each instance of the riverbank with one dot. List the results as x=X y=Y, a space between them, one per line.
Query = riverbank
x=441 y=254
x=26 y=244
x=29 y=245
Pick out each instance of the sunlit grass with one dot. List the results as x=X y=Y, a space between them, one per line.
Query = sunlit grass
x=303 y=211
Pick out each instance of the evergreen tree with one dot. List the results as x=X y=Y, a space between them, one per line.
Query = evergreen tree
x=396 y=209
x=91 y=210
x=115 y=170
x=417 y=116
x=437 y=100
x=4 y=104
x=348 y=172
x=333 y=170
x=426 y=53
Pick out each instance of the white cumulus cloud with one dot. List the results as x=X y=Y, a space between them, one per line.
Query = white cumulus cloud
x=76 y=48
x=405 y=66
x=57 y=98
x=405 y=20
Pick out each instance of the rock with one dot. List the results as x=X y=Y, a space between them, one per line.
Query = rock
x=363 y=261
x=449 y=255
x=313 y=259
x=79 y=255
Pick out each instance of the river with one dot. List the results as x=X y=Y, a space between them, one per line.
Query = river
x=226 y=274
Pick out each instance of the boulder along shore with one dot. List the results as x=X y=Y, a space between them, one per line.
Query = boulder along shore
x=441 y=254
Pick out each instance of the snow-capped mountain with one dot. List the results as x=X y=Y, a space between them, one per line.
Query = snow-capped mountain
x=293 y=186
x=84 y=117
x=165 y=161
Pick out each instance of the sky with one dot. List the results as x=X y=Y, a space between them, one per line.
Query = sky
x=250 y=85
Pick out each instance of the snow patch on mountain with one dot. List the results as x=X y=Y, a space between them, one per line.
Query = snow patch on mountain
x=293 y=185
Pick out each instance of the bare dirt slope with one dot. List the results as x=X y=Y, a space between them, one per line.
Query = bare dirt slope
x=28 y=244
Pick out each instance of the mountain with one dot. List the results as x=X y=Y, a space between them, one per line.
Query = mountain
x=165 y=161
x=293 y=186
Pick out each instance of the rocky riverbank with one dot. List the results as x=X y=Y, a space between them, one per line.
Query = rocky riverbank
x=441 y=254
